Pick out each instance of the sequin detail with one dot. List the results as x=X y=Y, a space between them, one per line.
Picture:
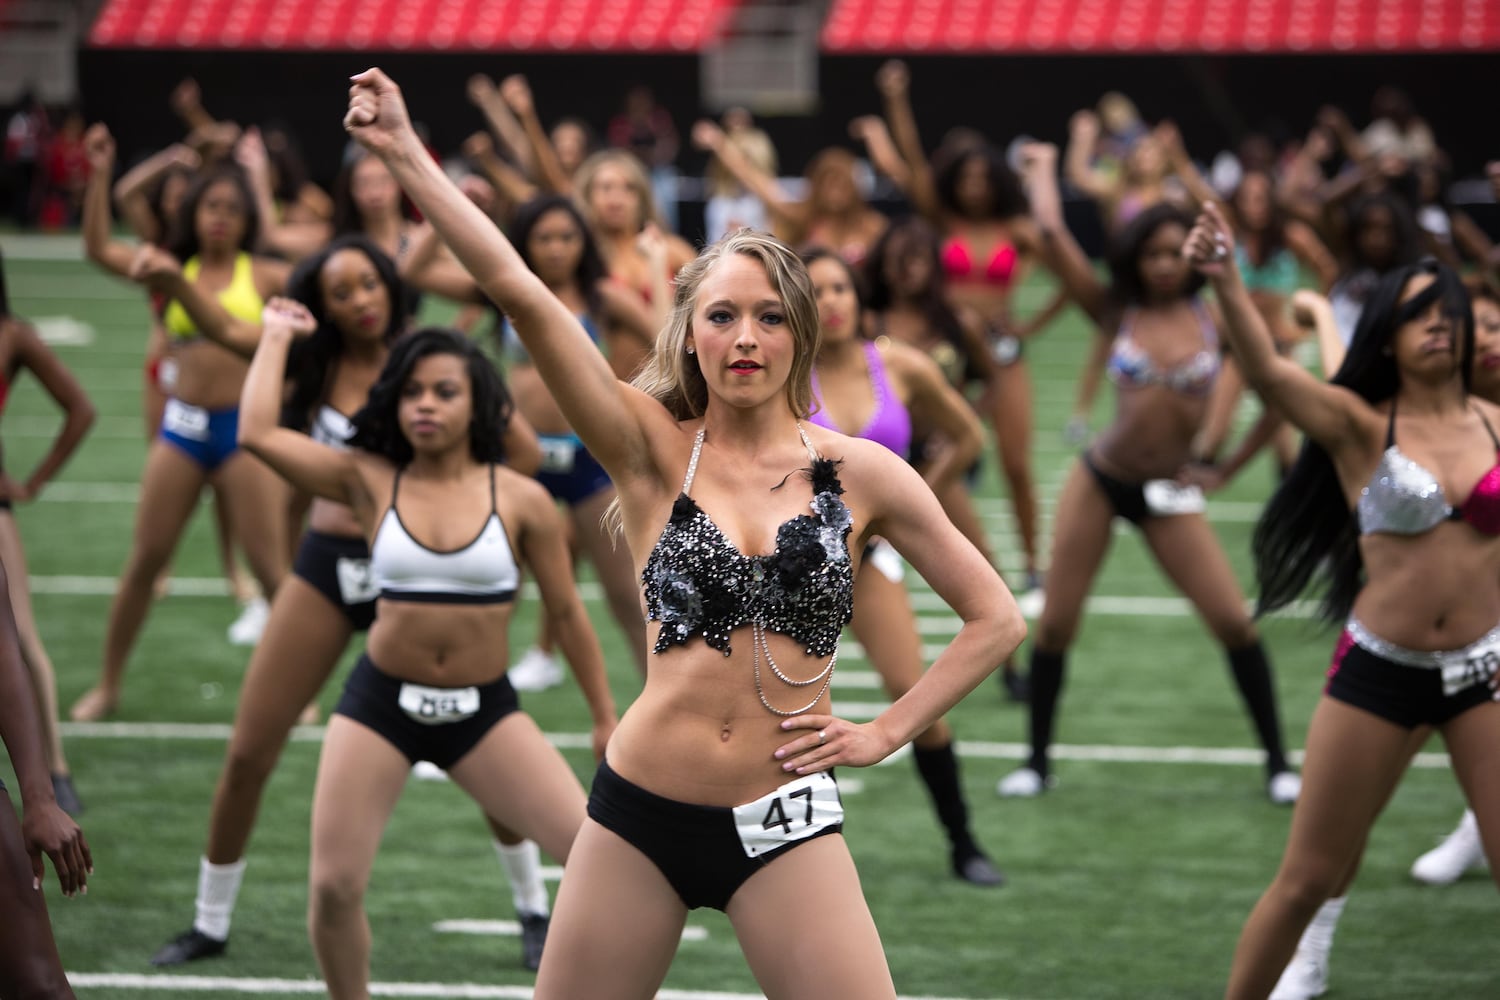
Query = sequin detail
x=1404 y=498
x=696 y=583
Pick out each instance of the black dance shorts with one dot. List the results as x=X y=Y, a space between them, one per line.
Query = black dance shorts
x=1137 y=501
x=707 y=852
x=1412 y=687
x=440 y=725
x=339 y=569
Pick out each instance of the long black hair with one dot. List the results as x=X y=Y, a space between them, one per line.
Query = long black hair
x=377 y=427
x=1307 y=527
x=311 y=361
x=934 y=305
x=1125 y=249
x=590 y=270
x=184 y=243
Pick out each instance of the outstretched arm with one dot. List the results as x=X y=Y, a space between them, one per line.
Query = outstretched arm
x=1056 y=245
x=98 y=244
x=894 y=83
x=710 y=138
x=1328 y=414
x=517 y=93
x=309 y=465
x=1083 y=138
x=607 y=415
x=130 y=190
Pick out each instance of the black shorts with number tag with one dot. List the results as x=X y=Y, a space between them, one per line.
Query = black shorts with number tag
x=696 y=847
x=1408 y=694
x=372 y=698
x=320 y=560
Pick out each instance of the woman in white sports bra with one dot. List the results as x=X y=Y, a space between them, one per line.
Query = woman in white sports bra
x=716 y=790
x=448 y=529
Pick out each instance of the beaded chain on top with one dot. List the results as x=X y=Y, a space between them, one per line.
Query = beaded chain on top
x=696 y=583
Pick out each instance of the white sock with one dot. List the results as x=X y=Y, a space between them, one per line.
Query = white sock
x=523 y=866
x=1318 y=938
x=218 y=887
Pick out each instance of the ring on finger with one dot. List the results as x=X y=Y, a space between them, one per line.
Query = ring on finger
x=822 y=736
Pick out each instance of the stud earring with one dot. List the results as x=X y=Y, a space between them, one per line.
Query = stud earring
x=691 y=349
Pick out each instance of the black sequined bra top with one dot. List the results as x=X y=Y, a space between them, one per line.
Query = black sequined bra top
x=698 y=584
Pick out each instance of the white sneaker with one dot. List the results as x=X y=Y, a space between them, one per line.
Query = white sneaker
x=1445 y=863
x=535 y=671
x=250 y=624
x=1305 y=977
x=1024 y=783
x=1284 y=787
x=426 y=770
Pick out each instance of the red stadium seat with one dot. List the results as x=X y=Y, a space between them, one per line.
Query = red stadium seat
x=1114 y=26
x=418 y=25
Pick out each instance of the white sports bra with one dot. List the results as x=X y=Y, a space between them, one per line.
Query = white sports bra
x=482 y=572
x=332 y=428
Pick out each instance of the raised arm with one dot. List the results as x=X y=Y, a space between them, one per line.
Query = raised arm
x=187 y=101
x=65 y=390
x=485 y=96
x=98 y=244
x=1304 y=244
x=509 y=182
x=429 y=268
x=1055 y=243
x=309 y=465
x=894 y=83
x=1183 y=166
x=1314 y=312
x=293 y=240
x=549 y=172
x=608 y=416
x=130 y=192
x=872 y=133
x=1078 y=165
x=159 y=271
x=45 y=828
x=710 y=138
x=1327 y=413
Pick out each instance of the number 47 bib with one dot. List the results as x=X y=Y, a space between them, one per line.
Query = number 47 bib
x=793 y=812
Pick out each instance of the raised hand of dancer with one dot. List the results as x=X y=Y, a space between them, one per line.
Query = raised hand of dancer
x=517 y=94
x=1210 y=245
x=377 y=117
x=99 y=148
x=287 y=314
x=827 y=742
x=481 y=89
x=893 y=79
x=47 y=830
x=707 y=136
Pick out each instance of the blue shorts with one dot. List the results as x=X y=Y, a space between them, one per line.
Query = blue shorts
x=568 y=471
x=702 y=850
x=208 y=437
x=440 y=725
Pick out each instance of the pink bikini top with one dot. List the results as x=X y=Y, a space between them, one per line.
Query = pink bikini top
x=958 y=263
x=1404 y=498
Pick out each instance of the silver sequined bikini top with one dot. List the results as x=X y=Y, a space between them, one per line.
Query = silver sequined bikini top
x=698 y=584
x=1404 y=498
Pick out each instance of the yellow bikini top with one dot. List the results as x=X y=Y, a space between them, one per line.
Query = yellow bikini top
x=241 y=299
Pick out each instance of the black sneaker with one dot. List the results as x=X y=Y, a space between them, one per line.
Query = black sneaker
x=533 y=937
x=976 y=869
x=66 y=795
x=189 y=947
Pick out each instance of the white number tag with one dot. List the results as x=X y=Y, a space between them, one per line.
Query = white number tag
x=185 y=421
x=356 y=584
x=438 y=706
x=1165 y=497
x=1479 y=666
x=793 y=812
x=558 y=454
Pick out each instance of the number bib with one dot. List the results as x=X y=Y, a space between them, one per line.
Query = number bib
x=1474 y=666
x=438 y=706
x=356 y=583
x=558 y=454
x=184 y=420
x=793 y=812
x=1164 y=498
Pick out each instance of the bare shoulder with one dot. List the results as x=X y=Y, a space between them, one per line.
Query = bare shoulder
x=269 y=273
x=906 y=361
